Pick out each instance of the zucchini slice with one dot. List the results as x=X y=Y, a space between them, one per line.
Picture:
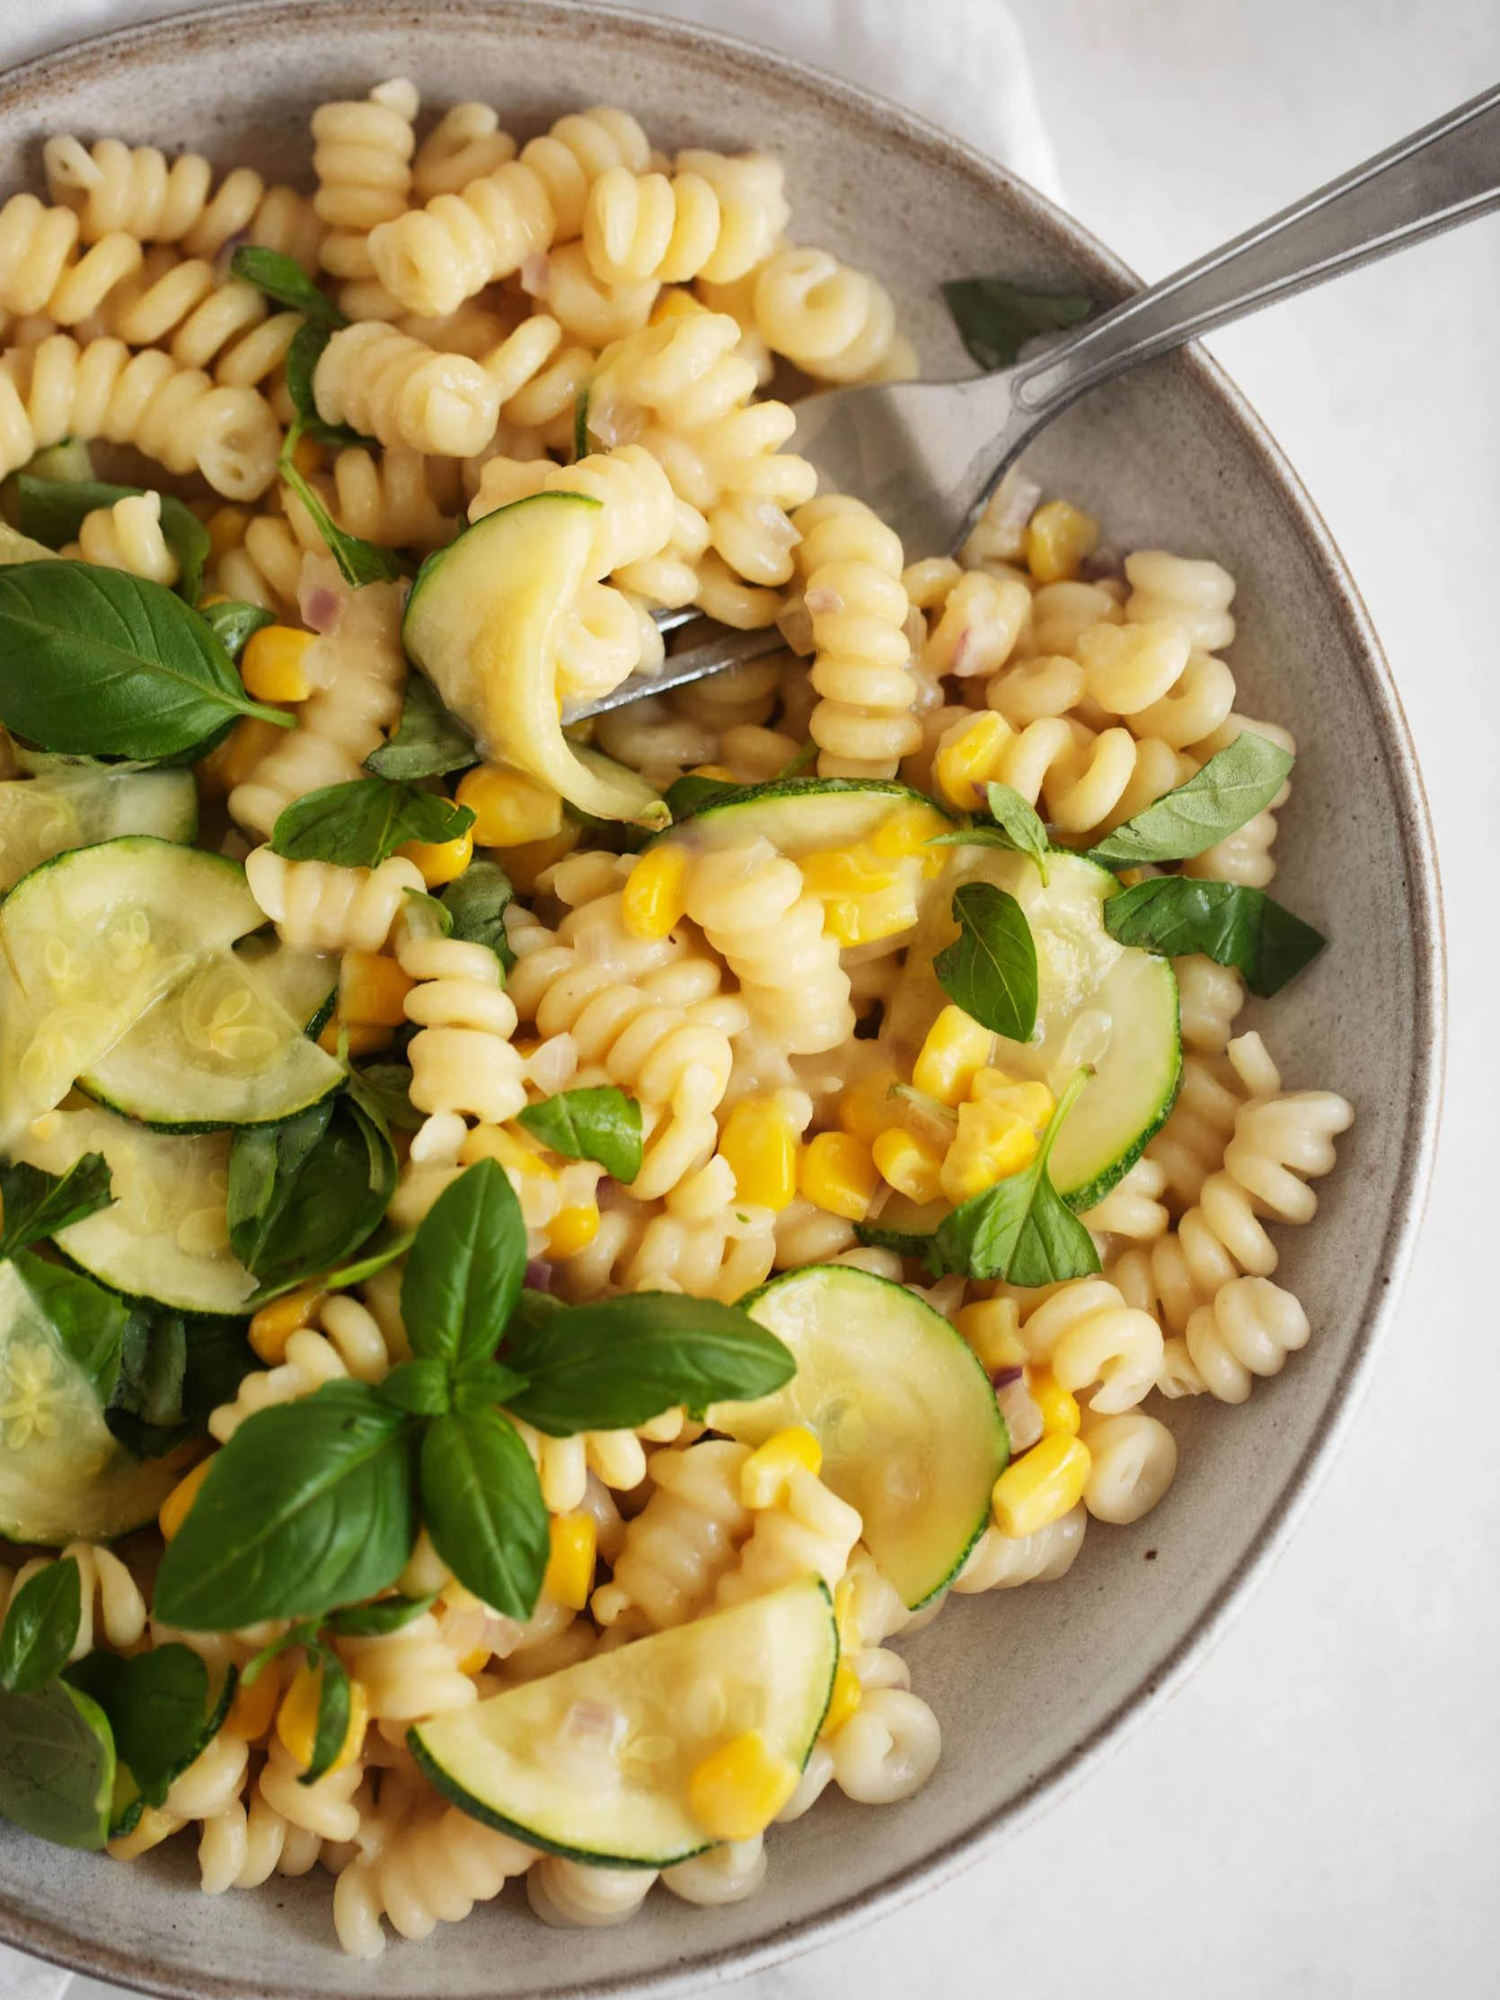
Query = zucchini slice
x=911 y=1434
x=306 y=983
x=63 y=1475
x=1099 y=1002
x=801 y=815
x=167 y=1235
x=594 y=1762
x=47 y=816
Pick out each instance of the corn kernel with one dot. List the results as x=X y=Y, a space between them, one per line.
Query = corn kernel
x=497 y=1142
x=845 y=1699
x=866 y=1108
x=372 y=990
x=1060 y=1412
x=569 y=1576
x=254 y=1708
x=1042 y=1486
x=150 y=1830
x=572 y=1229
x=509 y=808
x=737 y=1790
x=440 y=861
x=909 y=1164
x=654 y=899
x=231 y=762
x=673 y=302
x=907 y=833
x=955 y=1051
x=969 y=757
x=761 y=1145
x=273 y=665
x=838 y=1175
x=273 y=1326
x=226 y=530
x=1032 y=1101
x=355 y=1038
x=474 y=1661
x=765 y=1474
x=992 y=1329
x=991 y=1144
x=847 y=871
x=843 y=1615
x=721 y=773
x=176 y=1506
x=297 y=1718
x=1058 y=537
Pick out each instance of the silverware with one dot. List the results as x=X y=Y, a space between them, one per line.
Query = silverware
x=909 y=450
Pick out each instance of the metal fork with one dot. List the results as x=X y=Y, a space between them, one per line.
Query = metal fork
x=927 y=455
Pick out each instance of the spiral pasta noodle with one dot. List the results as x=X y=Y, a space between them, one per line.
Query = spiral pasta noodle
x=320 y=906
x=863 y=724
x=128 y=535
x=362 y=161
x=835 y=323
x=398 y=390
x=466 y=143
x=1003 y=1562
x=1132 y=1462
x=807 y=1531
x=1248 y=1330
x=112 y=1609
x=39 y=272
x=432 y=1869
x=462 y=1062
x=716 y=218
x=347 y=1343
x=682 y=1543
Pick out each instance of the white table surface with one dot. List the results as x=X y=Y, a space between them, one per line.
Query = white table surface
x=1315 y=1813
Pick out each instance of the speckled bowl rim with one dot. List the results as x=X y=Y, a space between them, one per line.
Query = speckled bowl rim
x=48 y=1940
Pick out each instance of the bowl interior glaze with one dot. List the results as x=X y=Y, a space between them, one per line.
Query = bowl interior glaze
x=1028 y=1684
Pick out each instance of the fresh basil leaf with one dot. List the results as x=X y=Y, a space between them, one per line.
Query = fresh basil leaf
x=53 y=510
x=1234 y=785
x=423 y=1387
x=483 y=1508
x=378 y=1620
x=40 y=1627
x=477 y=902
x=429 y=741
x=995 y=318
x=309 y=1504
x=146 y=1407
x=57 y=1765
x=600 y=1123
x=157 y=1704
x=394 y=1244
x=483 y=1385
x=96 y=660
x=1227 y=921
x=333 y=1716
x=464 y=1271
x=303 y=1633
x=285 y=281
x=620 y=1362
x=34 y=1204
x=302 y=359
x=233 y=622
x=990 y=968
x=384 y=1089
x=689 y=793
x=87 y=1321
x=1020 y=1229
x=358 y=824
x=304 y=1196
x=359 y=562
x=1015 y=827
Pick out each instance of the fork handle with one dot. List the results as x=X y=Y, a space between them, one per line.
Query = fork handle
x=1447 y=173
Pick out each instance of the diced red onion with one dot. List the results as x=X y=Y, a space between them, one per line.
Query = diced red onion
x=1104 y=565
x=535 y=274
x=1002 y=1377
x=539 y=1274
x=322 y=607
x=824 y=598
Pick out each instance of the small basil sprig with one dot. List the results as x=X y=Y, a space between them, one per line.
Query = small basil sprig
x=1233 y=786
x=34 y=1204
x=384 y=1091
x=98 y=661
x=360 y=562
x=57 y=1765
x=600 y=1123
x=1226 y=921
x=995 y=318
x=52 y=511
x=87 y=1322
x=1012 y=824
x=162 y=1712
x=173 y=1373
x=990 y=968
x=281 y=278
x=358 y=824
x=429 y=741
x=233 y=622
x=307 y=1195
x=41 y=1627
x=1021 y=1229
x=476 y=904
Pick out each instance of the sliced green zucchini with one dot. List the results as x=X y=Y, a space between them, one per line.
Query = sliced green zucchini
x=62 y=1474
x=1099 y=1002
x=306 y=983
x=484 y=623
x=594 y=1762
x=166 y=1237
x=911 y=1433
x=47 y=816
x=802 y=815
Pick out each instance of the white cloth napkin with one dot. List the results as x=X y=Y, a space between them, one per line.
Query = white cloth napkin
x=960 y=63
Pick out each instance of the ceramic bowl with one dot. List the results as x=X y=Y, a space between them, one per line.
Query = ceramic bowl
x=1030 y=1685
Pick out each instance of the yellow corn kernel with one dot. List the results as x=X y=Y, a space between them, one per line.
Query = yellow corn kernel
x=1058 y=537
x=844 y=1701
x=231 y=762
x=838 y=1174
x=866 y=1108
x=372 y=990
x=839 y=872
x=440 y=861
x=990 y=1145
x=843 y=1615
x=1042 y=1486
x=1032 y=1101
x=273 y=665
x=971 y=758
x=150 y=1830
x=273 y=1326
x=509 y=808
x=654 y=900
x=226 y=530
x=307 y=456
x=907 y=832
x=766 y=1472
x=992 y=1329
x=569 y=1575
x=673 y=302
x=955 y=1051
x=175 y=1508
x=498 y=1142
x=721 y=772
x=909 y=1164
x=738 y=1789
x=356 y=1038
x=474 y=1661
x=1060 y=1412
x=572 y=1229
x=254 y=1708
x=761 y=1144
x=297 y=1718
